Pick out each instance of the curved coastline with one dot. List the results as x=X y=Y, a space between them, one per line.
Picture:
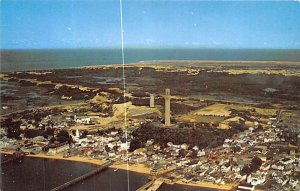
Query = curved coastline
x=138 y=168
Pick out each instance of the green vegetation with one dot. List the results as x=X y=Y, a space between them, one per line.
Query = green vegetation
x=202 y=137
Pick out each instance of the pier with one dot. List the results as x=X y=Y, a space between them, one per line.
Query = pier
x=157 y=180
x=83 y=177
x=15 y=157
x=153 y=185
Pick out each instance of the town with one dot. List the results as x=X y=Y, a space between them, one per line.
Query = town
x=262 y=153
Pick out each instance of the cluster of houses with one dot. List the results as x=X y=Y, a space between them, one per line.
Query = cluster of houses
x=280 y=164
x=279 y=169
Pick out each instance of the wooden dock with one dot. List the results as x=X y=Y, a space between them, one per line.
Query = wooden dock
x=83 y=177
x=145 y=186
x=153 y=185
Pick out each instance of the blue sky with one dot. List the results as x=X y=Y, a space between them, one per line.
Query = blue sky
x=28 y=24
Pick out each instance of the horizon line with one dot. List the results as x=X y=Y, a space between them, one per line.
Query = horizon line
x=152 y=47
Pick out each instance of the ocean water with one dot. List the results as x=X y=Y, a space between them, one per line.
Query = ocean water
x=18 y=60
x=37 y=174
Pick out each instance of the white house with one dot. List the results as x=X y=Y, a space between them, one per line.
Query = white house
x=201 y=153
x=256 y=179
x=58 y=149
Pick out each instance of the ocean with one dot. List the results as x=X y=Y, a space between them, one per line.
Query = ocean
x=38 y=174
x=20 y=60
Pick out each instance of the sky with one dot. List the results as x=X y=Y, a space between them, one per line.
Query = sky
x=50 y=24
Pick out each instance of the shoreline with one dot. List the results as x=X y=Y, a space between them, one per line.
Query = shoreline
x=137 y=168
x=142 y=63
x=161 y=62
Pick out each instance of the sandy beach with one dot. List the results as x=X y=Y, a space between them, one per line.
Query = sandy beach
x=138 y=168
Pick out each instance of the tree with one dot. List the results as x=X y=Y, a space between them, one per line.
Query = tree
x=194 y=154
x=182 y=153
x=256 y=163
x=49 y=132
x=63 y=136
x=37 y=120
x=13 y=128
x=107 y=149
x=63 y=133
x=135 y=144
x=246 y=170
x=52 y=140
x=62 y=139
x=254 y=166
x=13 y=132
x=31 y=133
x=236 y=149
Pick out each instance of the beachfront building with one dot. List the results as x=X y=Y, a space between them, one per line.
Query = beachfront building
x=58 y=148
x=245 y=187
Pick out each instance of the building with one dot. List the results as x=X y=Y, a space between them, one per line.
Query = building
x=58 y=148
x=152 y=100
x=167 y=108
x=77 y=134
x=256 y=179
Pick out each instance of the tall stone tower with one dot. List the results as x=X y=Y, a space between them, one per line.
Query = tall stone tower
x=167 y=108
x=151 y=100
